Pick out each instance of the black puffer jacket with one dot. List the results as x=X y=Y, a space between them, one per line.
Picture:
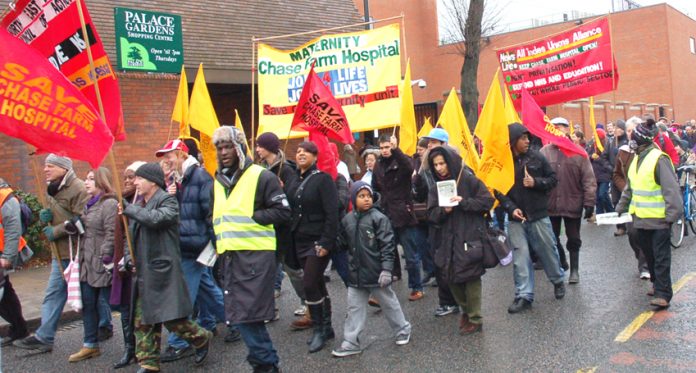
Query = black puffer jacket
x=368 y=238
x=458 y=241
x=532 y=201
x=392 y=178
x=195 y=209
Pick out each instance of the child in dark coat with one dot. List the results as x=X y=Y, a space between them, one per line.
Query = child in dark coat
x=367 y=235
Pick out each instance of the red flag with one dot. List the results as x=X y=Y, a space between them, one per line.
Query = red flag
x=325 y=158
x=317 y=110
x=539 y=125
x=41 y=107
x=53 y=28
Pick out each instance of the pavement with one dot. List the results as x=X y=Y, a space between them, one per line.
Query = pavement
x=604 y=324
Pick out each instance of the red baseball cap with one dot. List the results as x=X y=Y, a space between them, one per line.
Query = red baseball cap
x=172 y=145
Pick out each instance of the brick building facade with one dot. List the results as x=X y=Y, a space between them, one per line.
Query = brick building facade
x=651 y=45
x=215 y=33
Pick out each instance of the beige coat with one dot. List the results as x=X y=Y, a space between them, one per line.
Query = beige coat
x=68 y=202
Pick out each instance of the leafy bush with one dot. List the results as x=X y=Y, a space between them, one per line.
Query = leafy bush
x=34 y=236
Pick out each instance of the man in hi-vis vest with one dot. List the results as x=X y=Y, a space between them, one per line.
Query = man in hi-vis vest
x=652 y=196
x=248 y=202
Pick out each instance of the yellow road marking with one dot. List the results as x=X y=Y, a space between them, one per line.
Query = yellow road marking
x=638 y=322
x=587 y=370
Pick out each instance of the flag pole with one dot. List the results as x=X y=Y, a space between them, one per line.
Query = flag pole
x=112 y=161
x=613 y=68
x=42 y=200
x=253 y=90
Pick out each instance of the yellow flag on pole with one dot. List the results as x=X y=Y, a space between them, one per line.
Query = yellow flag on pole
x=425 y=130
x=407 y=129
x=511 y=115
x=181 y=105
x=203 y=118
x=453 y=121
x=496 y=169
x=593 y=124
x=239 y=126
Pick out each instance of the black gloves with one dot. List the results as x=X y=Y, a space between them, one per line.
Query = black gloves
x=589 y=211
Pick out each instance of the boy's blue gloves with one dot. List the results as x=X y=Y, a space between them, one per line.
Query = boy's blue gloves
x=48 y=231
x=385 y=278
x=46 y=215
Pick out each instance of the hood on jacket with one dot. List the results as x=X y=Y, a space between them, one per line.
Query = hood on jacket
x=454 y=163
x=516 y=130
x=188 y=163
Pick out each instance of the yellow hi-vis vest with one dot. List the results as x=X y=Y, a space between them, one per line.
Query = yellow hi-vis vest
x=647 y=200
x=235 y=230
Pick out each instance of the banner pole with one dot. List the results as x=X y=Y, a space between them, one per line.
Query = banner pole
x=112 y=161
x=253 y=93
x=325 y=29
x=42 y=200
x=613 y=68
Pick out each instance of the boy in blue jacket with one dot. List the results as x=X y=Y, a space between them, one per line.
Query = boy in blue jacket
x=367 y=235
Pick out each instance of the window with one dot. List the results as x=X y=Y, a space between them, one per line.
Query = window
x=692 y=45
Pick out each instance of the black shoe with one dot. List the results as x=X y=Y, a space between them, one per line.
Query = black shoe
x=31 y=343
x=519 y=305
x=173 y=354
x=125 y=360
x=233 y=335
x=104 y=333
x=145 y=370
x=559 y=290
x=6 y=341
x=258 y=368
x=202 y=352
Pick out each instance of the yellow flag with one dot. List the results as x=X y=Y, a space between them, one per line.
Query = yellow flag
x=496 y=169
x=511 y=115
x=203 y=118
x=407 y=130
x=181 y=105
x=571 y=128
x=453 y=121
x=593 y=124
x=239 y=126
x=425 y=130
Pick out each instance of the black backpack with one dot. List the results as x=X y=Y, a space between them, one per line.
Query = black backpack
x=27 y=216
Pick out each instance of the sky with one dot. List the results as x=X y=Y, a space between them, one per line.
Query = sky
x=519 y=14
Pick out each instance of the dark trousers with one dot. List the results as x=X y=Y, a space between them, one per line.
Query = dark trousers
x=259 y=344
x=603 y=199
x=572 y=231
x=444 y=294
x=313 y=279
x=634 y=242
x=11 y=311
x=658 y=254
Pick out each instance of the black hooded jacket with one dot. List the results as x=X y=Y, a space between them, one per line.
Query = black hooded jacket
x=457 y=241
x=532 y=201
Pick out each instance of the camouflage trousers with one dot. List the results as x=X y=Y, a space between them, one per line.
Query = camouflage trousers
x=148 y=338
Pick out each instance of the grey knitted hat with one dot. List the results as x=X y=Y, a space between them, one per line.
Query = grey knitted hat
x=62 y=162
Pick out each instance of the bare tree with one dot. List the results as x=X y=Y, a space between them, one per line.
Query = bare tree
x=466 y=24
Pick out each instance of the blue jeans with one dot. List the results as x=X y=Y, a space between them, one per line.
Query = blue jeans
x=259 y=344
x=205 y=293
x=92 y=299
x=424 y=251
x=53 y=303
x=603 y=199
x=409 y=240
x=279 y=277
x=538 y=234
x=105 y=310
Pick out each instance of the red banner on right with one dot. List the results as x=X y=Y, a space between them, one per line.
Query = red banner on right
x=567 y=66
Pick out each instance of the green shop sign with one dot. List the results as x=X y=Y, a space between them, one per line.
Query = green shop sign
x=148 y=41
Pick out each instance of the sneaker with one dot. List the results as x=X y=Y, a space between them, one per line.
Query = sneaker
x=415 y=295
x=519 y=305
x=403 y=339
x=33 y=343
x=84 y=354
x=645 y=275
x=104 y=333
x=559 y=290
x=300 y=311
x=233 y=335
x=445 y=310
x=343 y=352
x=173 y=354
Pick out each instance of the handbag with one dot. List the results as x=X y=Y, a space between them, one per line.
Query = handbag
x=72 y=277
x=420 y=210
x=496 y=248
